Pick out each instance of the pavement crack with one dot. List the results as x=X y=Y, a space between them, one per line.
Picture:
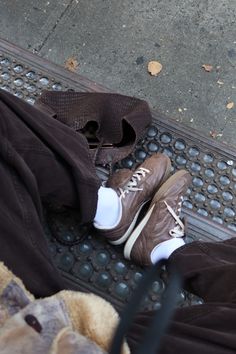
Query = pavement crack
x=54 y=27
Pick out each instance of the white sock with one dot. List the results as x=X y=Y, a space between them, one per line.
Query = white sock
x=165 y=249
x=109 y=209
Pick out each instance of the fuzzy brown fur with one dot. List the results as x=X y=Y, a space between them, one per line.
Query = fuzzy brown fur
x=93 y=317
x=69 y=322
x=6 y=276
x=70 y=342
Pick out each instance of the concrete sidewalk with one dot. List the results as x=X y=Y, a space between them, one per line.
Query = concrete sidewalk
x=113 y=42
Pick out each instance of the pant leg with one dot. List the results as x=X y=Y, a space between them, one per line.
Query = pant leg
x=209 y=270
x=57 y=156
x=38 y=157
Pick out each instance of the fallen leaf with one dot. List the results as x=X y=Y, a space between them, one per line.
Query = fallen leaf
x=207 y=67
x=71 y=64
x=230 y=105
x=214 y=134
x=154 y=68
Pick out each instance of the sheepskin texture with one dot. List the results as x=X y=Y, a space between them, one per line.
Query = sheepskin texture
x=93 y=317
x=13 y=294
x=33 y=329
x=6 y=276
x=70 y=342
x=68 y=322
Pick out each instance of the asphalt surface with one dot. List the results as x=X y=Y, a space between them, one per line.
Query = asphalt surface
x=113 y=41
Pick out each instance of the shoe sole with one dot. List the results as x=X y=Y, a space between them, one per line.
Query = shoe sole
x=136 y=233
x=130 y=229
x=132 y=225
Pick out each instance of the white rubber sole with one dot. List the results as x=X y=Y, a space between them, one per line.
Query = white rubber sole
x=130 y=229
x=131 y=241
x=138 y=230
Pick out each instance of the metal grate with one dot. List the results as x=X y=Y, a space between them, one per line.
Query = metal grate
x=79 y=253
x=212 y=193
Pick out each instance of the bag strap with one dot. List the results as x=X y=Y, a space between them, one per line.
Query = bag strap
x=161 y=319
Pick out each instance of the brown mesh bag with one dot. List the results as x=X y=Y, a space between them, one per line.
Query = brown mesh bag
x=112 y=123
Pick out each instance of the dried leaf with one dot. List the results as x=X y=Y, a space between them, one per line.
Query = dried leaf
x=71 y=64
x=214 y=134
x=207 y=67
x=230 y=105
x=154 y=68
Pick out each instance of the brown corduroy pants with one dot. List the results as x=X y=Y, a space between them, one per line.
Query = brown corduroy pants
x=209 y=271
x=42 y=158
x=39 y=158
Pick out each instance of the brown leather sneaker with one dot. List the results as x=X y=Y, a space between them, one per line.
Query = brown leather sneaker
x=161 y=222
x=135 y=188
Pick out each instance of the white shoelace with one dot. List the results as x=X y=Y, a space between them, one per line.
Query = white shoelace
x=131 y=186
x=178 y=230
